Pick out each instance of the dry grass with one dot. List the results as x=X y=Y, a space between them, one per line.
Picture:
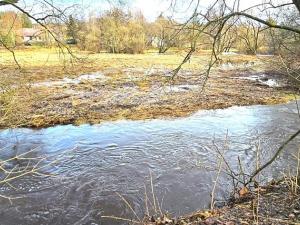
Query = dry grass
x=49 y=63
x=128 y=93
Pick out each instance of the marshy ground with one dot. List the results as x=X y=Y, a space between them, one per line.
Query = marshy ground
x=54 y=88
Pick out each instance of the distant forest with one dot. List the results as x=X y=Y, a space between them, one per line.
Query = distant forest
x=119 y=31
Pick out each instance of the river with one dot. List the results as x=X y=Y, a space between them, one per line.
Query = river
x=93 y=162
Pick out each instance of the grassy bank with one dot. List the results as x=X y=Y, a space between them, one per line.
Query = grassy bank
x=48 y=90
x=50 y=63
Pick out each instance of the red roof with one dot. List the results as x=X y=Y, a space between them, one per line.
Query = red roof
x=30 y=32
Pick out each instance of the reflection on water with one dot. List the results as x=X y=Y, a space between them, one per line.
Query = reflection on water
x=96 y=161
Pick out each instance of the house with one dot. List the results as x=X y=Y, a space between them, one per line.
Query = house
x=29 y=35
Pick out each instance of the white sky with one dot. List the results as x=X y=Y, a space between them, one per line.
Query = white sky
x=153 y=8
x=150 y=8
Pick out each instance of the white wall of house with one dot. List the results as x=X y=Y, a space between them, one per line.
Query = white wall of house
x=26 y=39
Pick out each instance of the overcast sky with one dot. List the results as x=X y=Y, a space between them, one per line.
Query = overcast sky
x=153 y=8
x=150 y=8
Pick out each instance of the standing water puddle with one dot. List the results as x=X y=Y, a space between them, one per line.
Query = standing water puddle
x=95 y=162
x=264 y=80
x=70 y=81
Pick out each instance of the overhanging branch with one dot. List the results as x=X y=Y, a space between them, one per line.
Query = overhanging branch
x=8 y=2
x=267 y=23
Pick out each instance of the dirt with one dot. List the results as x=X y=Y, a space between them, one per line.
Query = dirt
x=134 y=93
x=272 y=204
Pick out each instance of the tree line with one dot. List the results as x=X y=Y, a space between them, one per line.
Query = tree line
x=119 y=31
x=10 y=25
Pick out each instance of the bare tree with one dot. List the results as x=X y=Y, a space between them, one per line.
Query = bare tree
x=250 y=34
x=221 y=19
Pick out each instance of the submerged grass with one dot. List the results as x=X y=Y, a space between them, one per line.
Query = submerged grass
x=135 y=87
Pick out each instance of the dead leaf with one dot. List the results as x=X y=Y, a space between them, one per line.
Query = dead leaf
x=243 y=191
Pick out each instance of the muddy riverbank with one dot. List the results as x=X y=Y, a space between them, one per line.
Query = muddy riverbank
x=273 y=204
x=138 y=94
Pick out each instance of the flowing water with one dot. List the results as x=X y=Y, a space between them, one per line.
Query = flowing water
x=92 y=163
